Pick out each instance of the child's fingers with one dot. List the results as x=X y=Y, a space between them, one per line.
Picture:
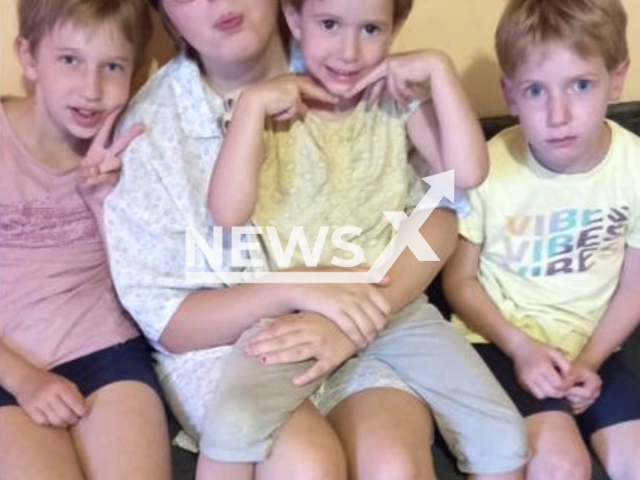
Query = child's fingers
x=38 y=416
x=393 y=88
x=269 y=341
x=532 y=387
x=358 y=327
x=74 y=400
x=90 y=173
x=562 y=364
x=316 y=371
x=103 y=178
x=294 y=354
x=380 y=301
x=104 y=133
x=309 y=89
x=376 y=314
x=375 y=91
x=57 y=413
x=550 y=387
x=123 y=141
x=278 y=328
x=373 y=76
x=398 y=90
x=110 y=164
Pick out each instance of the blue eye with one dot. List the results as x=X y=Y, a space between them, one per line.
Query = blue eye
x=582 y=85
x=328 y=25
x=534 y=90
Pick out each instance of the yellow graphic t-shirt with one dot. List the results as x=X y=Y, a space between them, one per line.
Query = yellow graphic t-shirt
x=553 y=244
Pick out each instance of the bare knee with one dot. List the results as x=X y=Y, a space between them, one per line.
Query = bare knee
x=308 y=465
x=319 y=469
x=561 y=465
x=398 y=464
x=626 y=470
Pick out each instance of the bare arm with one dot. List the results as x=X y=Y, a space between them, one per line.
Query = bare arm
x=410 y=277
x=214 y=317
x=233 y=189
x=446 y=130
x=540 y=369
x=620 y=318
x=14 y=368
x=471 y=302
x=47 y=398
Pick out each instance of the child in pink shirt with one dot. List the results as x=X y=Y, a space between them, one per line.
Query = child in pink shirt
x=78 y=395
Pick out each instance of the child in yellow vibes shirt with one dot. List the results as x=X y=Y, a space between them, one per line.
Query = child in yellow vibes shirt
x=547 y=265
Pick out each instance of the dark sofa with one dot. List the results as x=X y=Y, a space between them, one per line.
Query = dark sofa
x=628 y=115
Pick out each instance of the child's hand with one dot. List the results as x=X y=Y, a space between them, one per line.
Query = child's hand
x=585 y=385
x=407 y=76
x=50 y=400
x=101 y=163
x=359 y=309
x=283 y=97
x=302 y=336
x=542 y=370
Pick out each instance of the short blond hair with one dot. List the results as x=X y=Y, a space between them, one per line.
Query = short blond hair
x=401 y=8
x=591 y=27
x=38 y=17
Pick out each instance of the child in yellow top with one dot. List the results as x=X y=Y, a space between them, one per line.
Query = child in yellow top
x=547 y=265
x=343 y=163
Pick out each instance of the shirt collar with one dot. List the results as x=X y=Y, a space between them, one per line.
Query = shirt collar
x=200 y=109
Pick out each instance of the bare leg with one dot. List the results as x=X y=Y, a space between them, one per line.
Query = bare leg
x=306 y=449
x=617 y=449
x=386 y=434
x=558 y=450
x=124 y=435
x=29 y=451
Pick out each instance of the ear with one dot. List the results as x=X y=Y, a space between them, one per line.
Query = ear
x=26 y=58
x=292 y=15
x=506 y=84
x=618 y=76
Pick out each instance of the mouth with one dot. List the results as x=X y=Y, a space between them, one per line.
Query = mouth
x=229 y=22
x=343 y=75
x=86 y=117
x=561 y=142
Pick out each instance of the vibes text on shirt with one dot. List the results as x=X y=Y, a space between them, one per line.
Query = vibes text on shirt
x=564 y=241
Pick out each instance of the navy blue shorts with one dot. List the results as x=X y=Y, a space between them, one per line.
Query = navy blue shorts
x=130 y=360
x=619 y=400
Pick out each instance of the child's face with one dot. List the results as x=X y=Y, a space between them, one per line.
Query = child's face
x=225 y=33
x=342 y=40
x=80 y=75
x=561 y=100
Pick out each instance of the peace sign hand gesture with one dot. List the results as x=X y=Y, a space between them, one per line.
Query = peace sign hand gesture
x=101 y=164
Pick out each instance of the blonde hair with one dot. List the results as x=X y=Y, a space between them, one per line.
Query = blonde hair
x=38 y=17
x=401 y=8
x=591 y=27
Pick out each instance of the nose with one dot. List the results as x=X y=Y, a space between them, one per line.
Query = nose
x=350 y=47
x=91 y=88
x=558 y=110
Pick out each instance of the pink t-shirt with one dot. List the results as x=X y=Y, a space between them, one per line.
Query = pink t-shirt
x=57 y=301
